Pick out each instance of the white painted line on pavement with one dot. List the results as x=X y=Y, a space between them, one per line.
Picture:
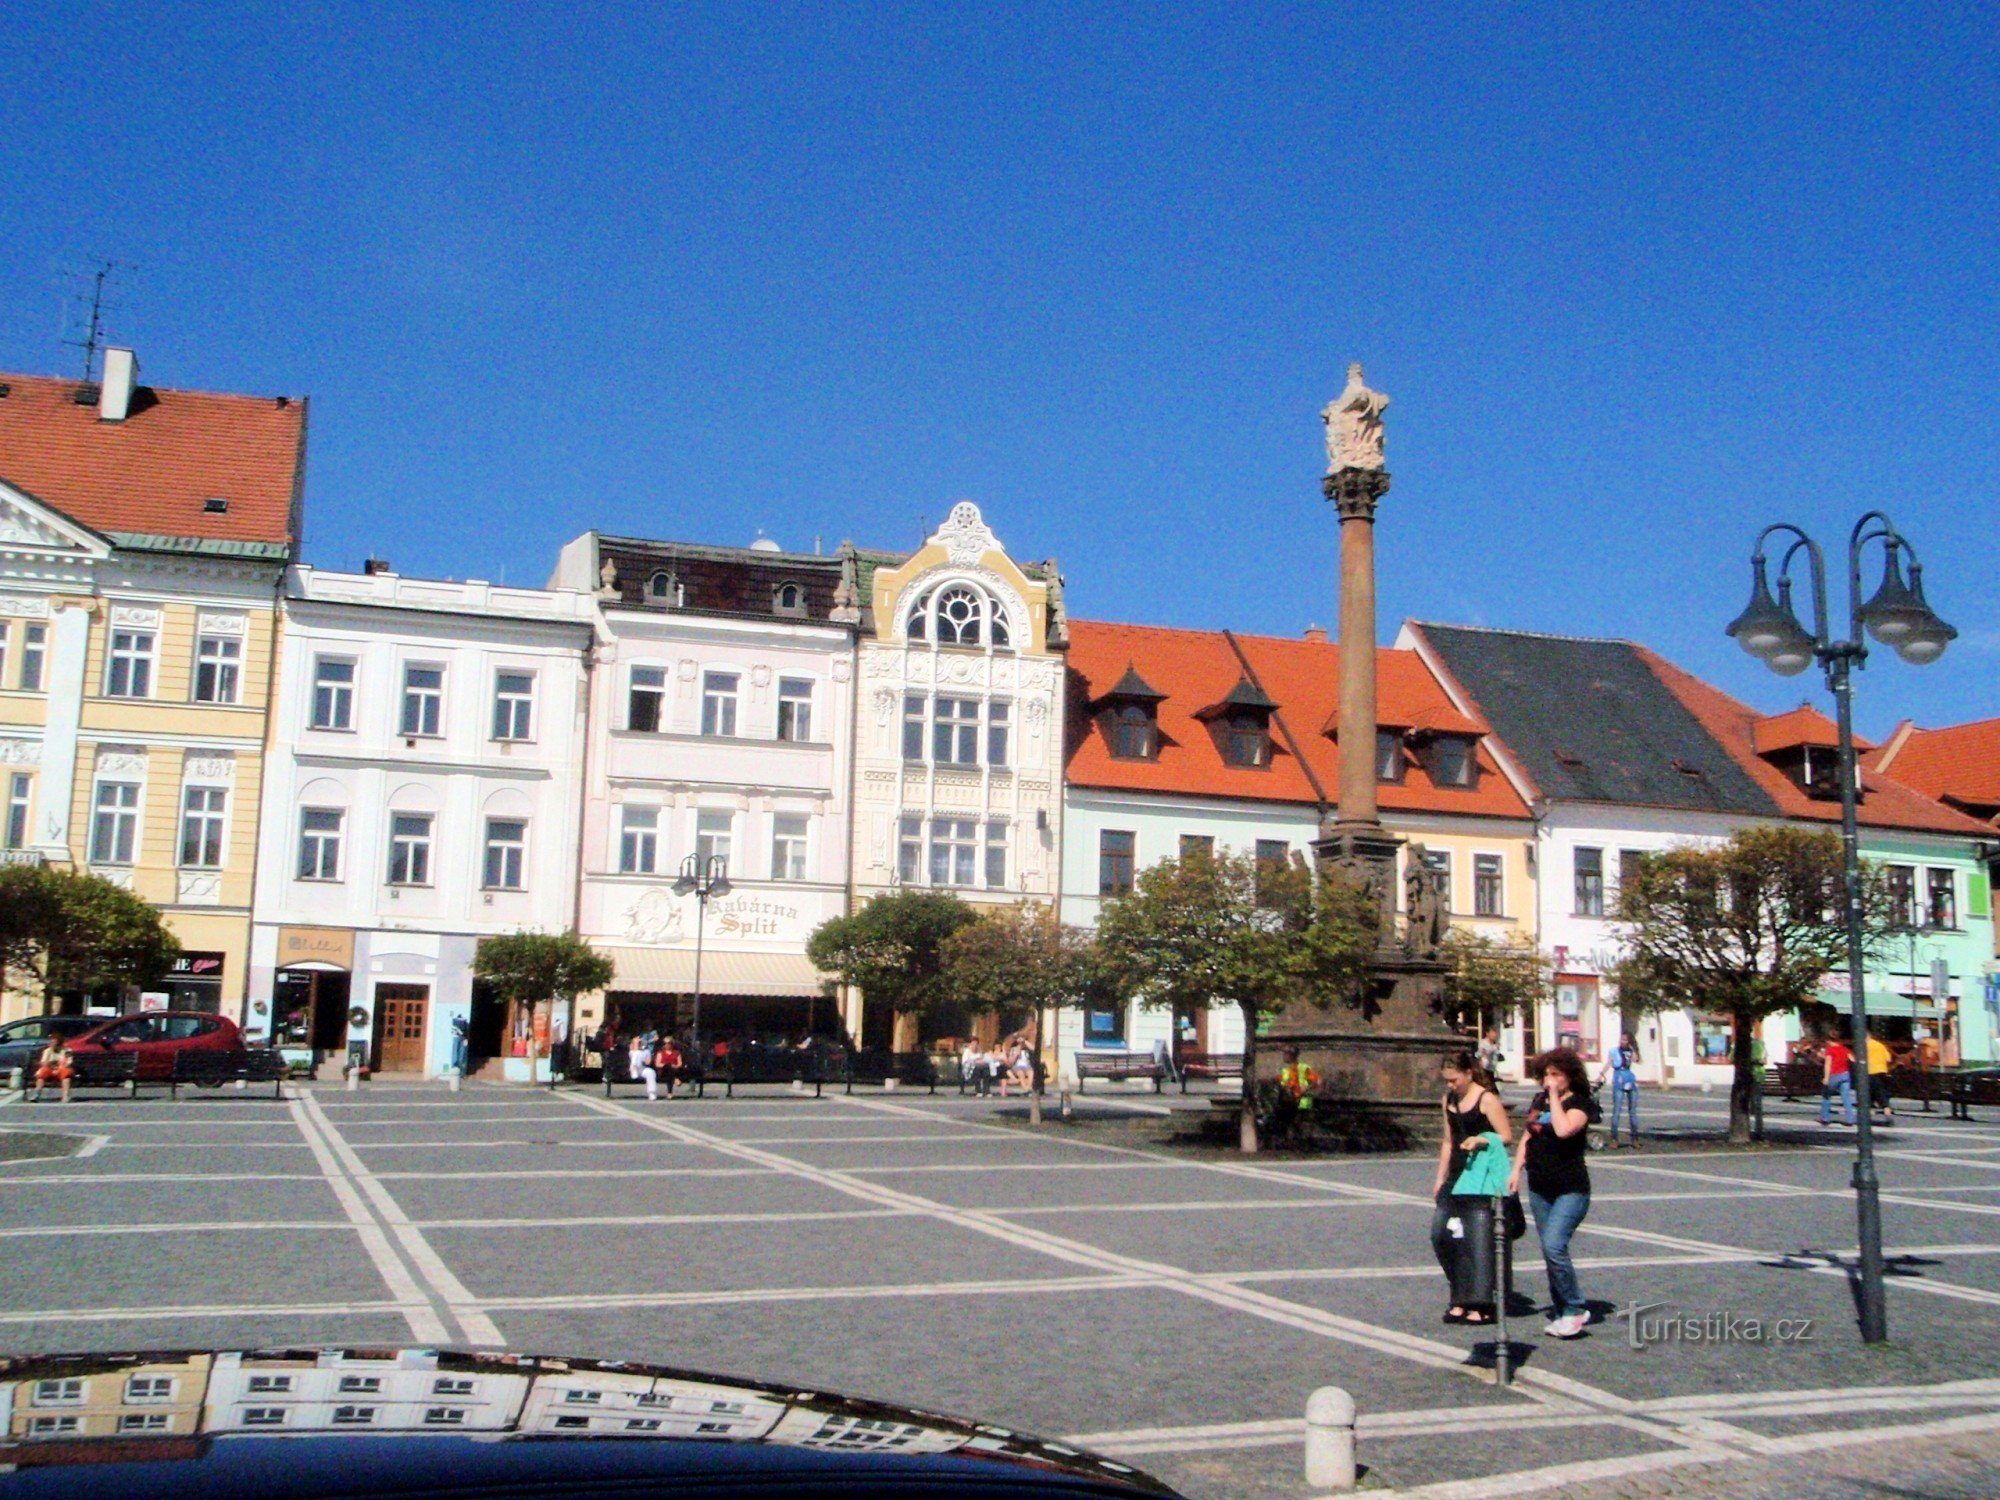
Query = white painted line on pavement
x=582 y=1221
x=753 y=1295
x=151 y=1313
x=569 y=1174
x=96 y=1178
x=211 y=1226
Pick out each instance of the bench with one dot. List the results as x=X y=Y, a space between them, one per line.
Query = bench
x=617 y=1073
x=1792 y=1080
x=1963 y=1090
x=950 y=1070
x=213 y=1069
x=100 y=1070
x=1119 y=1066
x=1208 y=1065
x=766 y=1065
x=906 y=1069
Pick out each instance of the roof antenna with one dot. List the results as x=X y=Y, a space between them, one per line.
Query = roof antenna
x=93 y=294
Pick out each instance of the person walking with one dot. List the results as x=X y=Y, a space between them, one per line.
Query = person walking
x=1490 y=1056
x=1836 y=1080
x=1462 y=1228
x=1621 y=1068
x=1879 y=1059
x=1551 y=1156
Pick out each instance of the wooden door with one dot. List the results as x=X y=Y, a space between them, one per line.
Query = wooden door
x=401 y=1013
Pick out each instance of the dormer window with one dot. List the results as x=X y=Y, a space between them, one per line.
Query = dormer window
x=660 y=586
x=1389 y=756
x=1241 y=724
x=1130 y=714
x=1804 y=745
x=789 y=599
x=1813 y=769
x=959 y=614
x=1450 y=760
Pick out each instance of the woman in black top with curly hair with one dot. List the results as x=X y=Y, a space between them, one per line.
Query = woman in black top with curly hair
x=1552 y=1150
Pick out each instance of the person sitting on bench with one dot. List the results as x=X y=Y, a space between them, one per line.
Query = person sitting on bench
x=54 y=1066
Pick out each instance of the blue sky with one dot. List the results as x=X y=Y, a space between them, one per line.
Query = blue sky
x=1637 y=280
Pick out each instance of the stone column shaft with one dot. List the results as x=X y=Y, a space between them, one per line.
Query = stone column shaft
x=1355 y=493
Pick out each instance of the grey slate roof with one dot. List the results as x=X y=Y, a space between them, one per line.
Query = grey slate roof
x=1590 y=722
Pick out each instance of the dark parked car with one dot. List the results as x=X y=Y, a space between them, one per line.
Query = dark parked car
x=21 y=1042
x=157 y=1035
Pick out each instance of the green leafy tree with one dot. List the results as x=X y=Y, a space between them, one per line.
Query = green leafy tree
x=1746 y=929
x=527 y=968
x=74 y=933
x=1024 y=958
x=1222 y=929
x=1489 y=979
x=892 y=950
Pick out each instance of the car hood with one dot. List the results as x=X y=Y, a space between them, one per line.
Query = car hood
x=284 y=1423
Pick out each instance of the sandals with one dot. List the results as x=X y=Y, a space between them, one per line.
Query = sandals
x=1454 y=1315
x=1476 y=1317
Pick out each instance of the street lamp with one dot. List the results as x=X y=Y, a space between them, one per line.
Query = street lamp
x=701 y=878
x=1897 y=617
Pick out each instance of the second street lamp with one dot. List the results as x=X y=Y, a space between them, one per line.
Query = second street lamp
x=701 y=878
x=1898 y=617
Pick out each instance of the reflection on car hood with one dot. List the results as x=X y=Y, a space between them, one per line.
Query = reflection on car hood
x=323 y=1422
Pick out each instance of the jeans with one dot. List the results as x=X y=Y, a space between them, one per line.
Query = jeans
x=1842 y=1084
x=1626 y=1094
x=1555 y=1221
x=1466 y=1259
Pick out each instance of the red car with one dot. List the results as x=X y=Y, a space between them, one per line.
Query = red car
x=157 y=1035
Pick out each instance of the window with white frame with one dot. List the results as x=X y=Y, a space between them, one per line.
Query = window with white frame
x=506 y=853
x=333 y=693
x=353 y=1416
x=1587 y=866
x=444 y=1416
x=955 y=731
x=361 y=1385
x=513 y=705
x=218 y=668
x=142 y=1421
x=5 y=634
x=996 y=855
x=910 y=850
x=203 y=810
x=795 y=707
x=62 y=1426
x=319 y=842
x=263 y=1416
x=114 y=825
x=423 y=701
x=67 y=1391
x=788 y=846
x=410 y=848
x=638 y=840
x=718 y=703
x=1438 y=863
x=713 y=832
x=269 y=1385
x=954 y=851
x=34 y=650
x=1488 y=894
x=19 y=789
x=959 y=614
x=148 y=1390
x=999 y=717
x=128 y=667
x=645 y=698
x=915 y=710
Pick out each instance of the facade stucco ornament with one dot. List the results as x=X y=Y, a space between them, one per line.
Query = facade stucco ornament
x=136 y=616
x=760 y=675
x=211 y=768
x=655 y=918
x=842 y=669
x=885 y=705
x=34 y=609
x=1354 y=436
x=17 y=526
x=965 y=535
x=20 y=752
x=1038 y=716
x=230 y=624
x=686 y=669
x=200 y=887
x=118 y=875
x=607 y=580
x=847 y=593
x=121 y=762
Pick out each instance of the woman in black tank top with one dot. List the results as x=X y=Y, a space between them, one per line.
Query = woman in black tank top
x=1466 y=1224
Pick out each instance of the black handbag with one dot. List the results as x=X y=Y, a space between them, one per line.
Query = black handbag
x=1517 y=1220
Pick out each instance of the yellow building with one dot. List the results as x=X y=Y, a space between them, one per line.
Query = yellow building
x=144 y=535
x=107 y=1396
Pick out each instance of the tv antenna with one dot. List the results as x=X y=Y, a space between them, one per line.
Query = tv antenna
x=88 y=294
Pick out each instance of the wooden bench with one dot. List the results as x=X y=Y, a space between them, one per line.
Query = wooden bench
x=99 y=1070
x=213 y=1069
x=1210 y=1066
x=1793 y=1080
x=617 y=1073
x=1119 y=1066
x=907 y=1069
x=1963 y=1090
x=785 y=1065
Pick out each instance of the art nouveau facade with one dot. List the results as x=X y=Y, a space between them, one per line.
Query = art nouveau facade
x=424 y=792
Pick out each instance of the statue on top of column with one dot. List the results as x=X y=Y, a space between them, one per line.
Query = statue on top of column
x=1354 y=426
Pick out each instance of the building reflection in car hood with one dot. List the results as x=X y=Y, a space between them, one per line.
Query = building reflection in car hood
x=191 y=1408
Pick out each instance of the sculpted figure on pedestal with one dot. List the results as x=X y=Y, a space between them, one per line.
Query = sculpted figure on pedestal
x=1425 y=917
x=1354 y=436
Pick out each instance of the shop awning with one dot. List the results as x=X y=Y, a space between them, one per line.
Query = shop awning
x=670 y=971
x=1876 y=1002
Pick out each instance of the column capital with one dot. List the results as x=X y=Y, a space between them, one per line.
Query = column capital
x=1355 y=492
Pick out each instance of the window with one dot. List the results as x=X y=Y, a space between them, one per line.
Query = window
x=263 y=1416
x=1902 y=880
x=128 y=672
x=913 y=727
x=958 y=617
x=514 y=706
x=570 y=1421
x=410 y=849
x=996 y=855
x=1451 y=761
x=1198 y=843
x=1943 y=899
x=718 y=703
x=954 y=845
x=114 y=828
x=644 y=698
x=34 y=646
x=1388 y=755
x=1133 y=733
x=1104 y=1028
x=218 y=668
x=583 y=1397
x=788 y=846
x=638 y=840
x=444 y=1416
x=54 y=1426
x=269 y=1385
x=910 y=851
x=201 y=827
x=642 y=1424
x=142 y=1421
x=964 y=617
x=448 y=1385
x=789 y=599
x=353 y=1416
x=1487 y=890
x=423 y=700
x=998 y=721
x=506 y=853
x=1116 y=849
x=1246 y=740
x=3 y=652
x=19 y=787
x=712 y=835
x=66 y=1392
x=1589 y=872
x=361 y=1385
x=659 y=586
x=143 y=1390
x=1438 y=862
x=1272 y=856
x=955 y=732
x=333 y=694
x=319 y=843
x=795 y=709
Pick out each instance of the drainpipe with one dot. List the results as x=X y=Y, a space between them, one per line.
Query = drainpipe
x=853 y=759
x=263 y=784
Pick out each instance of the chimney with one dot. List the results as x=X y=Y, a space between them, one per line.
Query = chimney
x=1316 y=634
x=121 y=374
x=375 y=565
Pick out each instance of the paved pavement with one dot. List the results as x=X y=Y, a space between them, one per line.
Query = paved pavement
x=1173 y=1308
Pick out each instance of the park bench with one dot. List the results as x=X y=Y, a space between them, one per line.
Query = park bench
x=950 y=1070
x=101 y=1070
x=1963 y=1090
x=1208 y=1066
x=1119 y=1066
x=213 y=1069
x=618 y=1073
x=786 y=1065
x=905 y=1069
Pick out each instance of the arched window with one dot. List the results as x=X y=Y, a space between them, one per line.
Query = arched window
x=959 y=614
x=657 y=586
x=788 y=599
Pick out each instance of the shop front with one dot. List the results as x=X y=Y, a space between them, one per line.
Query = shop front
x=194 y=981
x=745 y=995
x=311 y=994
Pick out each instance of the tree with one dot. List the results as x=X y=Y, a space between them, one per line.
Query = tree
x=1222 y=929
x=1022 y=957
x=1746 y=929
x=527 y=968
x=73 y=932
x=892 y=950
x=1489 y=979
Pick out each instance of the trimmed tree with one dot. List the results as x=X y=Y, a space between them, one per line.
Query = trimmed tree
x=1490 y=978
x=892 y=950
x=527 y=968
x=1747 y=929
x=1222 y=929
x=72 y=932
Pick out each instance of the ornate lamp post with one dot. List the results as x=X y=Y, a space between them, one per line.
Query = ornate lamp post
x=1897 y=617
x=701 y=879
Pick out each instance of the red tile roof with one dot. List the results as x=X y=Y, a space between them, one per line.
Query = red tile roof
x=1804 y=725
x=1886 y=802
x=152 y=473
x=1960 y=763
x=1196 y=669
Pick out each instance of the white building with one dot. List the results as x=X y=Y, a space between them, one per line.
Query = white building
x=358 y=1390
x=423 y=792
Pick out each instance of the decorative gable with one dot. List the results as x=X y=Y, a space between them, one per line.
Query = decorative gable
x=28 y=523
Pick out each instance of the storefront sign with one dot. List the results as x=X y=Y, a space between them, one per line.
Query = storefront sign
x=198 y=966
x=316 y=945
x=753 y=916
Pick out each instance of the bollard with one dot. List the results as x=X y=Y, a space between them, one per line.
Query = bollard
x=1067 y=1111
x=1330 y=1439
x=17 y=1080
x=456 y=1075
x=353 y=1080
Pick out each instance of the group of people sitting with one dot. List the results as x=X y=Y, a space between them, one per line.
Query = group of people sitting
x=653 y=1055
x=1010 y=1063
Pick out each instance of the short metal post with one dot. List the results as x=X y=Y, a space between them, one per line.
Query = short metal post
x=1330 y=1439
x=1503 y=1353
x=353 y=1080
x=457 y=1076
